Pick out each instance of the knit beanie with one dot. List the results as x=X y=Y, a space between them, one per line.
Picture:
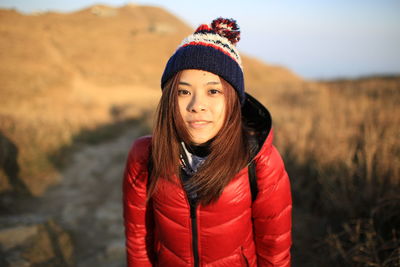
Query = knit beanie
x=211 y=48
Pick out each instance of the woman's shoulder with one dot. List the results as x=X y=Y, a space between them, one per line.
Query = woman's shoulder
x=266 y=148
x=142 y=142
x=269 y=161
x=140 y=149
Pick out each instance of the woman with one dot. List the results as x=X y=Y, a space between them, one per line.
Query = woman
x=188 y=199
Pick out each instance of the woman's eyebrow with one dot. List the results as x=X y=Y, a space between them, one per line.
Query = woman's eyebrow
x=184 y=83
x=208 y=83
x=212 y=83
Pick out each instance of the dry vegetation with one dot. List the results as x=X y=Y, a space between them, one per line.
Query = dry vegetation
x=67 y=73
x=62 y=74
x=340 y=140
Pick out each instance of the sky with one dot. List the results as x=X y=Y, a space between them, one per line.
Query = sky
x=316 y=39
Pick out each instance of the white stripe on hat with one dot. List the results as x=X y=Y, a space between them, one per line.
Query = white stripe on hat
x=216 y=40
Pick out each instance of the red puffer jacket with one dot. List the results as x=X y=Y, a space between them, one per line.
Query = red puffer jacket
x=233 y=231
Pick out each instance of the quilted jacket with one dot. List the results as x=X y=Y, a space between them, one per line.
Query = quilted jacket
x=233 y=231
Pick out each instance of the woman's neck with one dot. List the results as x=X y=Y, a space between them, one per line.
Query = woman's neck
x=202 y=150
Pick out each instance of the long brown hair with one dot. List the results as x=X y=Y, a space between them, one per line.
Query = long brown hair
x=228 y=149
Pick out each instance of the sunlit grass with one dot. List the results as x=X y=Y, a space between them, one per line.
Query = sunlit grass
x=341 y=143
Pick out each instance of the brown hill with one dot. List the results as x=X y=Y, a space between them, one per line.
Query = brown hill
x=64 y=72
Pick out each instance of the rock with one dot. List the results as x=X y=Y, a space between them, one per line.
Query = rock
x=63 y=240
x=39 y=244
x=12 y=237
x=40 y=249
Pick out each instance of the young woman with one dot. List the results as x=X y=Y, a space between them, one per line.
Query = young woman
x=189 y=198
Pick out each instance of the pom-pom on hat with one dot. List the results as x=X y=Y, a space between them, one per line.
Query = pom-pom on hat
x=211 y=48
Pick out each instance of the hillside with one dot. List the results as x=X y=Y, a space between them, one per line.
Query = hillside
x=62 y=73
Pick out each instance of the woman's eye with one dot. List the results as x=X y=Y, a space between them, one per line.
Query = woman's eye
x=183 y=92
x=214 y=91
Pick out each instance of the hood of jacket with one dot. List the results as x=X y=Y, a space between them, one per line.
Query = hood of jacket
x=258 y=125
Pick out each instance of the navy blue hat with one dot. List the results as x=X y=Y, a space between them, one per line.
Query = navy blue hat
x=210 y=48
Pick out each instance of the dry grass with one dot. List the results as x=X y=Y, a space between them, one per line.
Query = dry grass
x=341 y=143
x=62 y=74
x=67 y=73
x=42 y=125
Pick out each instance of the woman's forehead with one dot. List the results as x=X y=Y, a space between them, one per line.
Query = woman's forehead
x=193 y=76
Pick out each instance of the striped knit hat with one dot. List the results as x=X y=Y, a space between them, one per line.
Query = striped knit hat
x=210 y=48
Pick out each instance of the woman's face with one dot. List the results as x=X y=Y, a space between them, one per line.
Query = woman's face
x=201 y=103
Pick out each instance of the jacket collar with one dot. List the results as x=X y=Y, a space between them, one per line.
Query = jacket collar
x=258 y=124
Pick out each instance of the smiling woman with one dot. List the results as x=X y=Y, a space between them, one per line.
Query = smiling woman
x=188 y=189
x=201 y=104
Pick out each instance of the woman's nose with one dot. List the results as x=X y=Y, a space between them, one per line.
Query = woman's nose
x=197 y=104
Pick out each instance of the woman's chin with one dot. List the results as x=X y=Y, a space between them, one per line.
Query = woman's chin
x=198 y=140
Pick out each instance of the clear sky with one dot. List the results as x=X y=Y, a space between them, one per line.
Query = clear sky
x=314 y=38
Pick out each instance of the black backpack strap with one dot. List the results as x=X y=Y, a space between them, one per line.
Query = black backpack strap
x=253 y=147
x=253 y=180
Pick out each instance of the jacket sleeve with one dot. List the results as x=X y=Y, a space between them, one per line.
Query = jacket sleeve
x=137 y=211
x=272 y=211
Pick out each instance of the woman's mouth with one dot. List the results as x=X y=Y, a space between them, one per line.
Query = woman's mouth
x=198 y=124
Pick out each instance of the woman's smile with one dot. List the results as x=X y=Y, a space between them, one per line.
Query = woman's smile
x=199 y=124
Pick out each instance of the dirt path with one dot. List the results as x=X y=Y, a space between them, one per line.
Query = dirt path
x=88 y=202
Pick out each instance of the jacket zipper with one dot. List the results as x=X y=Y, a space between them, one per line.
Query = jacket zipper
x=195 y=242
x=193 y=219
x=193 y=216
